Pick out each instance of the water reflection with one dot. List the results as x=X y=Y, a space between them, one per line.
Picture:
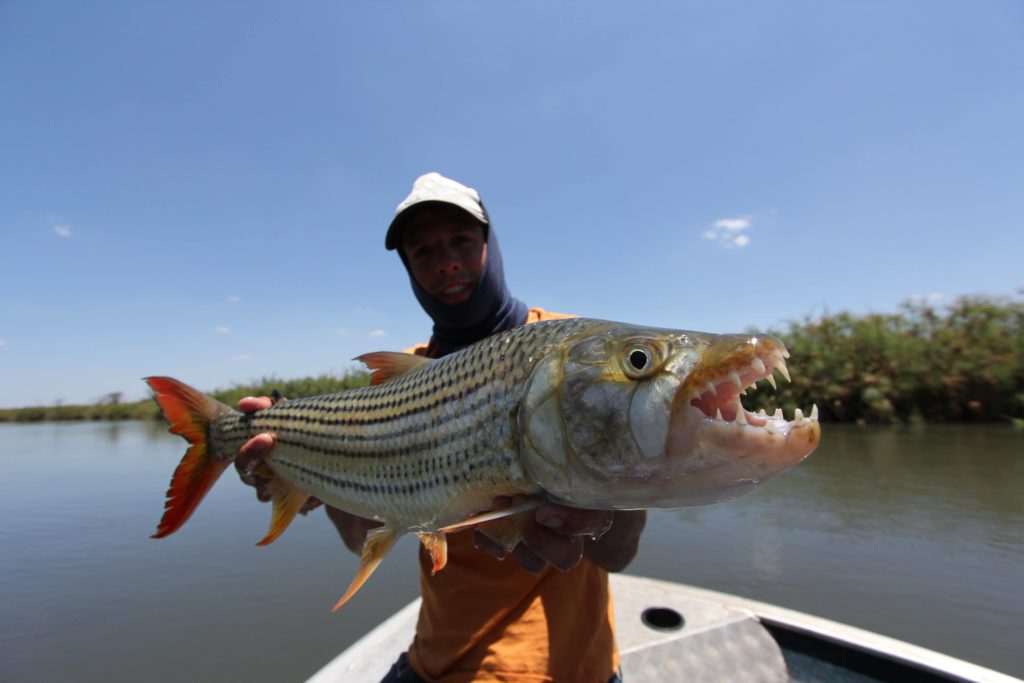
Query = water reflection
x=917 y=533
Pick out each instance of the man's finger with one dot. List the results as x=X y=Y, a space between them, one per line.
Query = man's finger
x=573 y=522
x=528 y=559
x=565 y=552
x=251 y=404
x=310 y=505
x=254 y=450
x=485 y=545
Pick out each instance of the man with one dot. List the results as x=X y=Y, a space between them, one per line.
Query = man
x=547 y=616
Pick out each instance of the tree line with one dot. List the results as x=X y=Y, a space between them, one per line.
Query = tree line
x=962 y=363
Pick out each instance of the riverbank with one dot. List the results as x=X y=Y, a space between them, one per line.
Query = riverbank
x=964 y=363
x=148 y=410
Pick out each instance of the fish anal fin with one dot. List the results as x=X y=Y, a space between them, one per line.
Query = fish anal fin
x=437 y=545
x=379 y=542
x=475 y=520
x=386 y=365
x=288 y=500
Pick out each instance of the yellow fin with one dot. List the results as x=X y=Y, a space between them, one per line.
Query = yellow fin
x=379 y=542
x=437 y=545
x=492 y=515
x=288 y=500
x=386 y=365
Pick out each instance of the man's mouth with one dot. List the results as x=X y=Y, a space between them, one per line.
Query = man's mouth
x=454 y=289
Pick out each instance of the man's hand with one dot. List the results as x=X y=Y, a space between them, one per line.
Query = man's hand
x=562 y=536
x=253 y=451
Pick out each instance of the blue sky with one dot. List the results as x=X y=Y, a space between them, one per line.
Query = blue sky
x=202 y=189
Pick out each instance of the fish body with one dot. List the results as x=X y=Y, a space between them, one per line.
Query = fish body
x=587 y=413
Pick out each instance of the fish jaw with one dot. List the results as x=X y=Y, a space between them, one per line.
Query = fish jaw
x=716 y=449
x=676 y=438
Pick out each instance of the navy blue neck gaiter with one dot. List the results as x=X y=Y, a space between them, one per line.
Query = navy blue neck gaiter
x=490 y=309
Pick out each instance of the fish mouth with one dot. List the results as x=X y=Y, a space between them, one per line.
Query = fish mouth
x=721 y=384
x=708 y=415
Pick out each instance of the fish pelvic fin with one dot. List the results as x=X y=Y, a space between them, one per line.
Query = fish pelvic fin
x=386 y=365
x=379 y=543
x=437 y=545
x=528 y=504
x=288 y=500
x=189 y=414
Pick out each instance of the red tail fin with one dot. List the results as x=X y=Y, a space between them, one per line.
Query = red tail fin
x=189 y=413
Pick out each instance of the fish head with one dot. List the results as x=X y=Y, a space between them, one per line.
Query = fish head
x=624 y=417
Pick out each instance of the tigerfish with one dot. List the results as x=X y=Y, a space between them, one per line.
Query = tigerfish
x=585 y=413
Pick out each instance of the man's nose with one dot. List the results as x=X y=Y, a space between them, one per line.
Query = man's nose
x=448 y=261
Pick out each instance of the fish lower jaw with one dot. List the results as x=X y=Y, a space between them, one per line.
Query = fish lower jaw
x=735 y=415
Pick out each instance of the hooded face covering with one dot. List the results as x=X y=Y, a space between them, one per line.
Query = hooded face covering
x=489 y=310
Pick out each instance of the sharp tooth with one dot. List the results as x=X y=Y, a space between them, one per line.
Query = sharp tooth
x=777 y=415
x=743 y=393
x=798 y=414
x=758 y=365
x=784 y=371
x=771 y=380
x=718 y=415
x=740 y=416
x=735 y=377
x=710 y=386
x=814 y=412
x=762 y=413
x=785 y=354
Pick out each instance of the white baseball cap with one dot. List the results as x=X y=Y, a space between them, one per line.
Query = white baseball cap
x=434 y=187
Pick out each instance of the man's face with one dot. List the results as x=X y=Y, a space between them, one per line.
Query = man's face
x=446 y=252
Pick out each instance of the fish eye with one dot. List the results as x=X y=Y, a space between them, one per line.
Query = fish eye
x=641 y=359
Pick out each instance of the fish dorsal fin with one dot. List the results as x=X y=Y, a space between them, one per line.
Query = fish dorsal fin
x=386 y=365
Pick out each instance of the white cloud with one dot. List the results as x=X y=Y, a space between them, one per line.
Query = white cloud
x=62 y=229
x=931 y=297
x=727 y=232
x=234 y=299
x=222 y=329
x=3 y=343
x=378 y=333
x=732 y=223
x=244 y=356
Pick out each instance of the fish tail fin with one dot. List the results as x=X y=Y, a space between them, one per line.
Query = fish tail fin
x=379 y=543
x=189 y=413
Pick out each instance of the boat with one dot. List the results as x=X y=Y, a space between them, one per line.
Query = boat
x=674 y=632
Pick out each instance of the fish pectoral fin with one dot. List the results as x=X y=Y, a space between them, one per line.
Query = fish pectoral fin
x=386 y=365
x=379 y=543
x=437 y=545
x=529 y=504
x=507 y=531
x=288 y=500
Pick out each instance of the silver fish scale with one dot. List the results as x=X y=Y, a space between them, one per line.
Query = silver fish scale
x=422 y=450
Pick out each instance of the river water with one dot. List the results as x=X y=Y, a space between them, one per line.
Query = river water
x=917 y=533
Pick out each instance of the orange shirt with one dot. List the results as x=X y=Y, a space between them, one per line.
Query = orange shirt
x=484 y=619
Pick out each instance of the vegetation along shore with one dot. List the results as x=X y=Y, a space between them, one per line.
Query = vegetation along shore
x=962 y=363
